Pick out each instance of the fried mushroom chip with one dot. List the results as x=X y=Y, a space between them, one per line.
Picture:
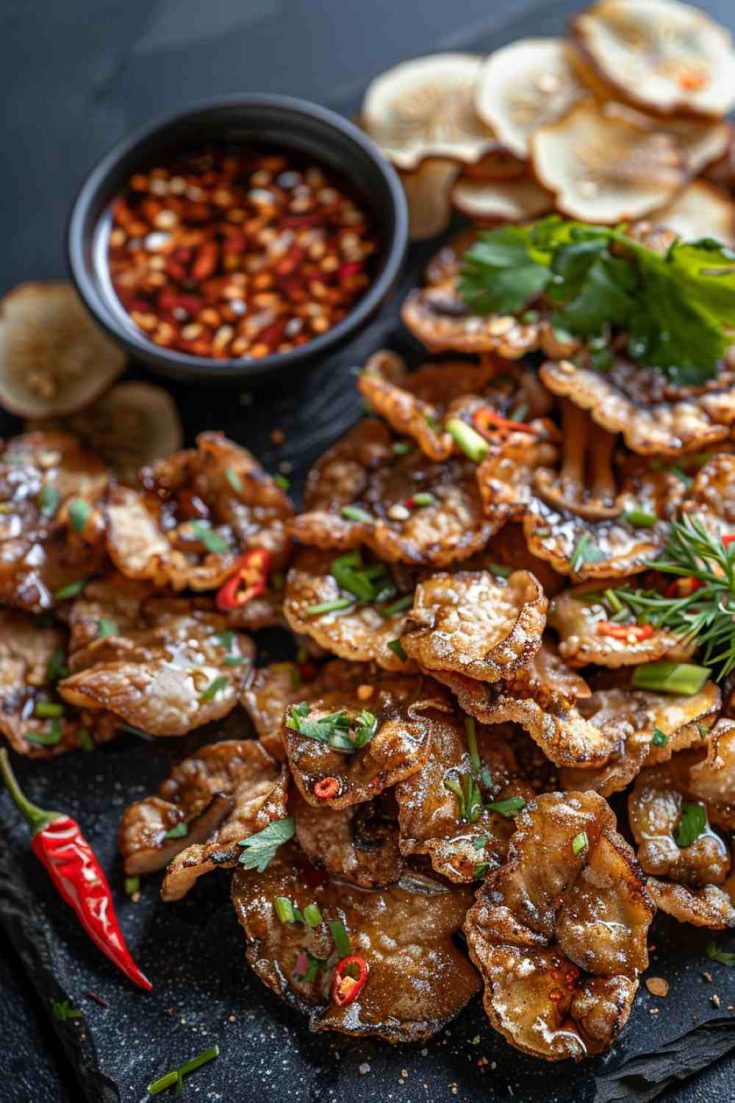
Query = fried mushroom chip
x=181 y=667
x=349 y=744
x=655 y=416
x=559 y=932
x=711 y=499
x=358 y=844
x=405 y=508
x=197 y=512
x=477 y=624
x=417 y=978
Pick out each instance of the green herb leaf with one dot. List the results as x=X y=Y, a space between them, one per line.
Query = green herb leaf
x=211 y=540
x=580 y=842
x=178 y=831
x=73 y=589
x=131 y=885
x=480 y=870
x=260 y=849
x=84 y=739
x=499 y=273
x=312 y=915
x=79 y=512
x=234 y=480
x=401 y=447
x=354 y=513
x=107 y=627
x=659 y=738
x=508 y=808
x=56 y=667
x=214 y=688
x=48 y=501
x=328 y=607
x=397 y=648
x=284 y=909
x=341 y=937
x=585 y=551
x=716 y=953
x=692 y=823
x=62 y=1010
x=282 y=482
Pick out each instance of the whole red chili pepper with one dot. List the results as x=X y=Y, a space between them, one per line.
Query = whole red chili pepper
x=248 y=579
x=60 y=846
x=346 y=987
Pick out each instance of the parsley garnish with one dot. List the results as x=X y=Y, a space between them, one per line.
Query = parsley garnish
x=715 y=953
x=338 y=729
x=674 y=307
x=107 y=627
x=62 y=1010
x=260 y=849
x=692 y=823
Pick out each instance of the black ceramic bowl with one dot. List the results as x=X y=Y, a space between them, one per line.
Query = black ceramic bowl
x=278 y=121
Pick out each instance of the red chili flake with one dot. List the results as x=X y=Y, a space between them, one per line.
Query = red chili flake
x=349 y=980
x=248 y=580
x=629 y=633
x=326 y=788
x=683 y=587
x=489 y=423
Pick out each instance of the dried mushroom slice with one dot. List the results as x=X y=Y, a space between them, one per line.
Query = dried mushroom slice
x=321 y=602
x=666 y=57
x=545 y=698
x=508 y=549
x=424 y=108
x=417 y=978
x=632 y=717
x=582 y=618
x=349 y=744
x=358 y=844
x=405 y=508
x=414 y=403
x=476 y=624
x=131 y=426
x=655 y=416
x=604 y=168
x=51 y=525
x=711 y=498
x=458 y=808
x=709 y=906
x=490 y=202
x=559 y=932
x=506 y=475
x=179 y=668
x=528 y=84
x=701 y=210
x=198 y=511
x=33 y=719
x=211 y=800
x=428 y=189
x=53 y=358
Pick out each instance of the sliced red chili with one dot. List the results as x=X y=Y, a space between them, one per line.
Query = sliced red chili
x=683 y=587
x=490 y=423
x=325 y=788
x=631 y=633
x=249 y=578
x=727 y=539
x=349 y=979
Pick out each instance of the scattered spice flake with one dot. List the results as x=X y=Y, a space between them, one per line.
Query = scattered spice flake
x=707 y=977
x=714 y=1000
x=97 y=999
x=657 y=986
x=364 y=1068
x=277 y=436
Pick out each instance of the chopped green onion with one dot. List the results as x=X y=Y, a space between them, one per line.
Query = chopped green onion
x=471 y=733
x=212 y=540
x=107 y=627
x=132 y=885
x=176 y=1078
x=350 y=575
x=79 y=512
x=354 y=513
x=214 y=688
x=48 y=738
x=640 y=519
x=234 y=480
x=48 y=501
x=56 y=667
x=284 y=909
x=178 y=831
x=480 y=842
x=73 y=589
x=614 y=601
x=398 y=606
x=659 y=738
x=682 y=678
x=467 y=440
x=401 y=447
x=85 y=740
x=329 y=606
x=692 y=823
x=312 y=915
x=423 y=499
x=519 y=413
x=397 y=648
x=234 y=660
x=499 y=571
x=508 y=808
x=46 y=709
x=585 y=551
x=580 y=842
x=282 y=482
x=226 y=639
x=480 y=870
x=340 y=936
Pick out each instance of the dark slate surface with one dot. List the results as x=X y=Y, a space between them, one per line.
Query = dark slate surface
x=75 y=77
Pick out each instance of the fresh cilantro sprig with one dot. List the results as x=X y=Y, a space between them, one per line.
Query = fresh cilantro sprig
x=716 y=953
x=675 y=307
x=340 y=730
x=260 y=849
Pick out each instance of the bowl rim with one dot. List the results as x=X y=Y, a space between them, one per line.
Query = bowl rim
x=201 y=367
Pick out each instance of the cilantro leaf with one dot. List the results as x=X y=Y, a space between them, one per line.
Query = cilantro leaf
x=716 y=953
x=692 y=824
x=499 y=273
x=260 y=849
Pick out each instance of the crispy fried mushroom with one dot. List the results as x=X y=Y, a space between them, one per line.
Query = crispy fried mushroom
x=559 y=931
x=358 y=844
x=417 y=981
x=711 y=498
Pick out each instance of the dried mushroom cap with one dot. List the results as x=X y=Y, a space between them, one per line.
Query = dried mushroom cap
x=133 y=425
x=222 y=793
x=703 y=143
x=578 y=616
x=701 y=210
x=544 y=698
x=418 y=979
x=655 y=416
x=662 y=55
x=198 y=511
x=428 y=189
x=709 y=906
x=476 y=624
x=41 y=550
x=525 y=85
x=358 y=844
x=32 y=658
x=497 y=164
x=603 y=168
x=398 y=718
x=461 y=848
x=181 y=667
x=53 y=359
x=630 y=717
x=360 y=631
x=361 y=476
x=508 y=548
x=711 y=498
x=559 y=932
x=424 y=108
x=444 y=266
x=506 y=475
x=496 y=201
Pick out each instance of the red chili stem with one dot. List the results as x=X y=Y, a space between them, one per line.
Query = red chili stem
x=58 y=843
